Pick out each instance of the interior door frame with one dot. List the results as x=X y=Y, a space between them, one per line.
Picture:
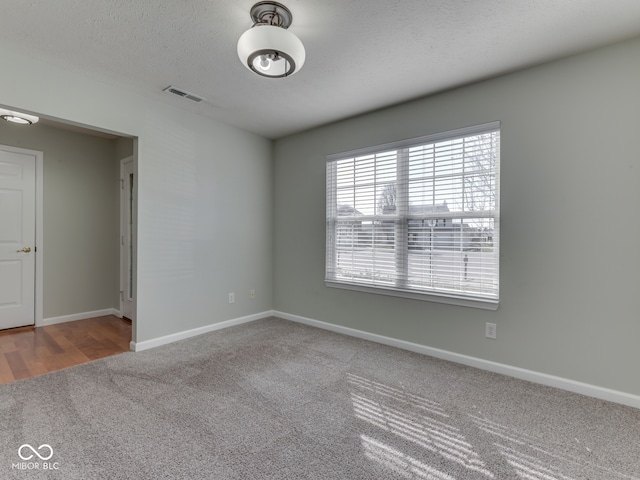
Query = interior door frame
x=39 y=292
x=123 y=257
x=39 y=245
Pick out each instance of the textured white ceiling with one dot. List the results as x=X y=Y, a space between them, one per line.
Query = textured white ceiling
x=361 y=55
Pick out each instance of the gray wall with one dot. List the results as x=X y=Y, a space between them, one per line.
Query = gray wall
x=81 y=217
x=570 y=185
x=204 y=199
x=124 y=147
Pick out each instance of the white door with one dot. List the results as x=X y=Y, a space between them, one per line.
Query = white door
x=17 y=237
x=126 y=239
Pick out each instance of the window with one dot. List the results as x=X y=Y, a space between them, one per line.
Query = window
x=418 y=218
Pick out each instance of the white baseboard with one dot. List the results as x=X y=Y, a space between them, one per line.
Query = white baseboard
x=521 y=373
x=174 y=337
x=78 y=316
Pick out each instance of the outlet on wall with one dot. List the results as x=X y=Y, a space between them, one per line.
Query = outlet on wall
x=232 y=297
x=490 y=330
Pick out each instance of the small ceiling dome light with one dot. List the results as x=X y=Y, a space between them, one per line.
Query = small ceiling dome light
x=268 y=48
x=18 y=117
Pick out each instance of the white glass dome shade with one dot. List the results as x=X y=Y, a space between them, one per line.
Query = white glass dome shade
x=18 y=117
x=271 y=51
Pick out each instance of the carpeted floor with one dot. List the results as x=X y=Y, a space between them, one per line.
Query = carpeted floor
x=278 y=400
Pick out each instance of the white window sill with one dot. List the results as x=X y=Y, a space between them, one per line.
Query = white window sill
x=484 y=304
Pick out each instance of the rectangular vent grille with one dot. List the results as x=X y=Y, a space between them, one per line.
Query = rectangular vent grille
x=183 y=94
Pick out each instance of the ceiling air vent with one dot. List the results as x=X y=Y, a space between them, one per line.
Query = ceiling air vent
x=183 y=93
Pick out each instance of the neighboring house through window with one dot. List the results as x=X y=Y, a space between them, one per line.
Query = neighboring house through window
x=418 y=218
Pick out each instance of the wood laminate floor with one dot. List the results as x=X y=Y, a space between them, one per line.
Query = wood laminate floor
x=28 y=351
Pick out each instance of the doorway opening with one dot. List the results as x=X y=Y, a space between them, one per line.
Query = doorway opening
x=78 y=269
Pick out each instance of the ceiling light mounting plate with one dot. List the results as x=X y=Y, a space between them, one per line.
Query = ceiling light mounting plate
x=271 y=13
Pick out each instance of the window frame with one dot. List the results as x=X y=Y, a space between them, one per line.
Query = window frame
x=401 y=219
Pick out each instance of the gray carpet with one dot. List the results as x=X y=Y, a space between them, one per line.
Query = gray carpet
x=278 y=400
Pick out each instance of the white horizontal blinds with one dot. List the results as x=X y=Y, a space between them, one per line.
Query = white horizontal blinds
x=452 y=210
x=363 y=228
x=418 y=216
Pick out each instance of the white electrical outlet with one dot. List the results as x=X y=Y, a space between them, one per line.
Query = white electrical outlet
x=232 y=297
x=252 y=294
x=490 y=330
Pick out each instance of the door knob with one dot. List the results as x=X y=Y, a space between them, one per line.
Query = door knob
x=25 y=250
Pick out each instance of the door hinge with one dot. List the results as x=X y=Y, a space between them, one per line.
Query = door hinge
x=122 y=184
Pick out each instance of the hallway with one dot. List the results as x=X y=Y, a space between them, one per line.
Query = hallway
x=28 y=351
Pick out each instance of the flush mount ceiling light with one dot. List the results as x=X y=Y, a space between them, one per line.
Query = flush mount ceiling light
x=18 y=117
x=268 y=48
